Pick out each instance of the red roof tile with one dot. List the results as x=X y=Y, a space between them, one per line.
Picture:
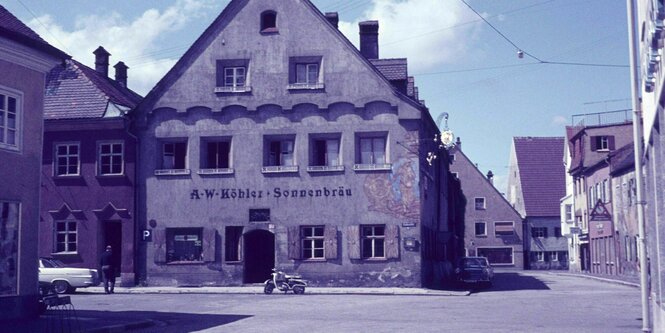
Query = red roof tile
x=542 y=174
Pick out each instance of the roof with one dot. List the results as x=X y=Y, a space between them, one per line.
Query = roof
x=76 y=91
x=622 y=159
x=14 y=29
x=392 y=69
x=542 y=174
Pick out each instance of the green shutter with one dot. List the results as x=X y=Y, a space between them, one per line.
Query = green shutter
x=353 y=238
x=294 y=242
x=392 y=241
x=330 y=242
x=208 y=251
x=159 y=243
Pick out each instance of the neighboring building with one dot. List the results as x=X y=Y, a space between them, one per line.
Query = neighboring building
x=536 y=184
x=590 y=147
x=492 y=227
x=25 y=58
x=569 y=228
x=271 y=145
x=88 y=166
x=649 y=27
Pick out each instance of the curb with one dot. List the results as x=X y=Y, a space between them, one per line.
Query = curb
x=602 y=279
x=311 y=291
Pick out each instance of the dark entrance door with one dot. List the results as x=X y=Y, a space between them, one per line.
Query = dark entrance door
x=113 y=236
x=259 y=254
x=585 y=257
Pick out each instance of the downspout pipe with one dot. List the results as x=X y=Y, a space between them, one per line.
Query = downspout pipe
x=638 y=144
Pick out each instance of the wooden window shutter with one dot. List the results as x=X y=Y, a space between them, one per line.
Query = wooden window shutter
x=208 y=251
x=159 y=243
x=594 y=143
x=353 y=238
x=392 y=241
x=610 y=142
x=294 y=242
x=330 y=246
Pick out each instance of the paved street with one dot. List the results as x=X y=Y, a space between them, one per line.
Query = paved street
x=518 y=302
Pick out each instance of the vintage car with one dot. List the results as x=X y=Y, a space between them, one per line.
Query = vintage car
x=476 y=270
x=66 y=279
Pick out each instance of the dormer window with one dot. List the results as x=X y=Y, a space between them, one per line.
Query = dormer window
x=602 y=143
x=268 y=21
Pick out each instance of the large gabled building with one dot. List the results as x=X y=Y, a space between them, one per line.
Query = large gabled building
x=25 y=59
x=492 y=227
x=536 y=183
x=274 y=142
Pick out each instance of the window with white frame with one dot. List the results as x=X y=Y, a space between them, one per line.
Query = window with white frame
x=67 y=159
x=110 y=158
x=65 y=236
x=569 y=212
x=372 y=150
x=312 y=238
x=305 y=72
x=174 y=155
x=554 y=256
x=481 y=229
x=373 y=241
x=10 y=119
x=539 y=232
x=234 y=77
x=479 y=203
x=540 y=256
x=325 y=152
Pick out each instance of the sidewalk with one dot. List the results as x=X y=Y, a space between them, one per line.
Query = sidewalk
x=631 y=281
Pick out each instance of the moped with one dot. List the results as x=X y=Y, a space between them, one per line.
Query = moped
x=284 y=282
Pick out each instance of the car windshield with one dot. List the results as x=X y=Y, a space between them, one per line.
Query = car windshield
x=52 y=263
x=471 y=262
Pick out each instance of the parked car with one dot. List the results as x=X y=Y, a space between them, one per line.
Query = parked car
x=66 y=279
x=476 y=270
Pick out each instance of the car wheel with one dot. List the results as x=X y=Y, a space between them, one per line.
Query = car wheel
x=299 y=290
x=61 y=287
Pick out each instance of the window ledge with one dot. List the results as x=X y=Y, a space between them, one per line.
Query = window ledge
x=67 y=176
x=239 y=262
x=373 y=167
x=279 y=169
x=9 y=147
x=172 y=172
x=325 y=168
x=220 y=171
x=374 y=259
x=64 y=253
x=232 y=90
x=118 y=175
x=305 y=86
x=185 y=262
x=481 y=236
x=314 y=260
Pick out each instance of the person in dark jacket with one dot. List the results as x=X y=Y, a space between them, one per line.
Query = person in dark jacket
x=108 y=270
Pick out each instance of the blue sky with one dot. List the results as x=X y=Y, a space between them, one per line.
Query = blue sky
x=462 y=66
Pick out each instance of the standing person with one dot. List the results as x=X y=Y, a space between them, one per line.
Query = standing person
x=108 y=270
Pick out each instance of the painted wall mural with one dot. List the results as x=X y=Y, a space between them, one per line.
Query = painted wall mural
x=9 y=225
x=397 y=193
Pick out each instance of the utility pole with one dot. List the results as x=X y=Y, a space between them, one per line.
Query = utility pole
x=637 y=142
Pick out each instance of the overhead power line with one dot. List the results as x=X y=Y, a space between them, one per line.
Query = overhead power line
x=541 y=61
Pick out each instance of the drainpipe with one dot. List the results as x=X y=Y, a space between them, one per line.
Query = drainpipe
x=137 y=230
x=637 y=141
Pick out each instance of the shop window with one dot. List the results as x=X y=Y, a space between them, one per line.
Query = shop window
x=481 y=229
x=110 y=158
x=312 y=238
x=233 y=245
x=497 y=255
x=65 y=237
x=67 y=158
x=9 y=231
x=268 y=21
x=479 y=203
x=10 y=116
x=184 y=244
x=504 y=228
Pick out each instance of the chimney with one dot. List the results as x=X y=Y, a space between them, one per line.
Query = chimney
x=121 y=73
x=458 y=144
x=333 y=18
x=490 y=177
x=369 y=39
x=102 y=61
